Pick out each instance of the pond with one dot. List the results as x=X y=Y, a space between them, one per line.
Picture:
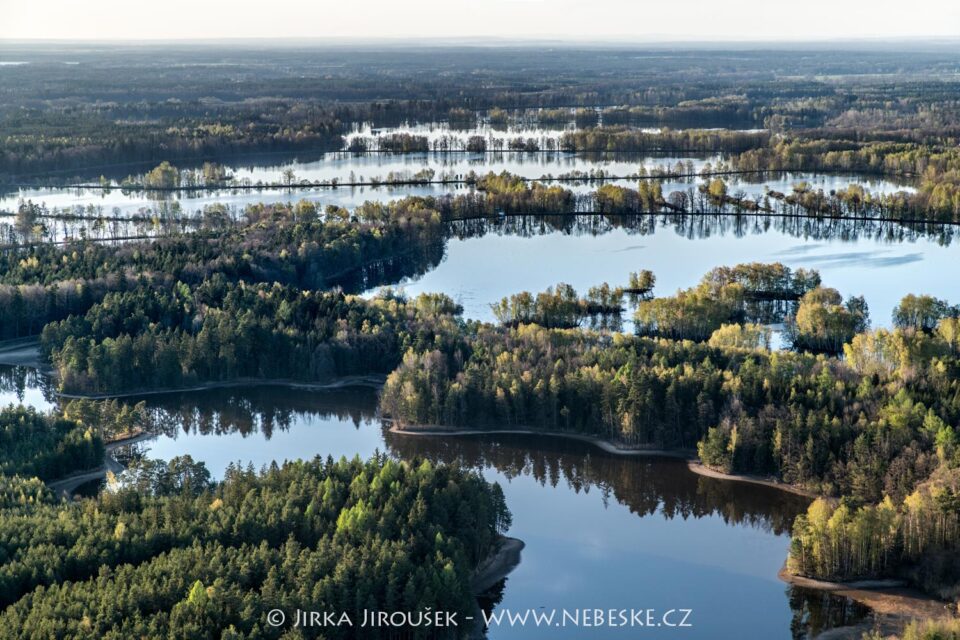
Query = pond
x=348 y=167
x=486 y=261
x=601 y=530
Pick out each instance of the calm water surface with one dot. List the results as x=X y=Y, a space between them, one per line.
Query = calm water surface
x=882 y=263
x=601 y=530
x=347 y=167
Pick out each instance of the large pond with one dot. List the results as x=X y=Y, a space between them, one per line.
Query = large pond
x=600 y=530
x=485 y=261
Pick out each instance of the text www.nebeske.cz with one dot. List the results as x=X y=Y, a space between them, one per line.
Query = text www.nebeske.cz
x=540 y=617
x=633 y=618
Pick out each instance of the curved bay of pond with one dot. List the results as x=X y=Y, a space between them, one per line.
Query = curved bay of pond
x=601 y=530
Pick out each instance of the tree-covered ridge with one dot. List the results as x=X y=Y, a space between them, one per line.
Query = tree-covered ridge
x=806 y=419
x=202 y=561
x=222 y=331
x=46 y=446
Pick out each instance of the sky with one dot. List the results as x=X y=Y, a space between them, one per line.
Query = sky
x=590 y=20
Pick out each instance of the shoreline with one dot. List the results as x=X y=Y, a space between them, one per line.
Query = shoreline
x=370 y=380
x=66 y=485
x=21 y=352
x=693 y=463
x=600 y=443
x=498 y=565
x=701 y=469
x=891 y=602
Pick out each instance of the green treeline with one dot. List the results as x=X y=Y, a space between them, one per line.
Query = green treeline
x=806 y=419
x=220 y=331
x=45 y=446
x=287 y=243
x=168 y=554
x=290 y=244
x=916 y=537
x=558 y=306
x=945 y=629
x=874 y=427
x=937 y=168
x=627 y=139
x=755 y=293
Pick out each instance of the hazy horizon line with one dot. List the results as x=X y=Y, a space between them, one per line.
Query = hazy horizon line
x=533 y=40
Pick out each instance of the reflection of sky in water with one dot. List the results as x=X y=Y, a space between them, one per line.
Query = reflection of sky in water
x=581 y=553
x=309 y=435
x=20 y=385
x=582 y=550
x=32 y=396
x=341 y=165
x=480 y=271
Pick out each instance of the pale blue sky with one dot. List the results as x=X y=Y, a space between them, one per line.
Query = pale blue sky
x=581 y=19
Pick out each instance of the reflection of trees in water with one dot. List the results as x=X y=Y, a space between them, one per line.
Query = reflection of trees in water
x=417 y=259
x=17 y=379
x=702 y=226
x=263 y=410
x=489 y=599
x=816 y=611
x=646 y=486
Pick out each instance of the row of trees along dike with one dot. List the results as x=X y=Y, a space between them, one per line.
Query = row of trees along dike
x=492 y=195
x=291 y=244
x=936 y=199
x=168 y=553
x=873 y=427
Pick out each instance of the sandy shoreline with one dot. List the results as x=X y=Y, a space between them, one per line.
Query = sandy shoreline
x=891 y=602
x=701 y=469
x=600 y=443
